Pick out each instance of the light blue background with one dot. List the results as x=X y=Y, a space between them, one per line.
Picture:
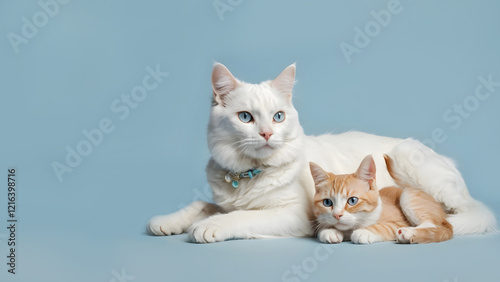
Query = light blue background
x=427 y=59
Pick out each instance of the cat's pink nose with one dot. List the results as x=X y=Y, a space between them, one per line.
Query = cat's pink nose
x=266 y=135
x=337 y=216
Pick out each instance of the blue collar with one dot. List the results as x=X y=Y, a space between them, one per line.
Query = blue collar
x=234 y=177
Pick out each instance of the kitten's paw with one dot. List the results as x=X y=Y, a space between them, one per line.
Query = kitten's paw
x=363 y=236
x=208 y=231
x=330 y=236
x=405 y=235
x=169 y=224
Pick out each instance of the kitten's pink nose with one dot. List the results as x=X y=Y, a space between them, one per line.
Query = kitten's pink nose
x=337 y=216
x=266 y=134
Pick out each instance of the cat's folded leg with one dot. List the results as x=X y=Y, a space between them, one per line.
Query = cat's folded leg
x=428 y=217
x=425 y=233
x=330 y=236
x=284 y=221
x=178 y=222
x=378 y=232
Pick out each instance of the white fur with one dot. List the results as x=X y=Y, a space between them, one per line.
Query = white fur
x=363 y=236
x=330 y=236
x=277 y=202
x=178 y=222
x=406 y=234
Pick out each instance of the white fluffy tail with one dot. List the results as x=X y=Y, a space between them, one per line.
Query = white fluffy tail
x=412 y=164
x=477 y=218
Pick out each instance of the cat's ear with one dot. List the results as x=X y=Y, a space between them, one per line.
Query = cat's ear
x=366 y=170
x=319 y=175
x=284 y=82
x=223 y=82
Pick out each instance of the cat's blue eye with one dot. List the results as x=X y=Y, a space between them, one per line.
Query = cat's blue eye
x=352 y=201
x=327 y=203
x=279 y=117
x=245 y=117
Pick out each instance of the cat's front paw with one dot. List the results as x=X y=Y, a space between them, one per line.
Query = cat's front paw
x=208 y=231
x=363 y=236
x=405 y=235
x=330 y=236
x=169 y=224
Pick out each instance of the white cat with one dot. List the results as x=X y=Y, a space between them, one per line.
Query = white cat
x=259 y=170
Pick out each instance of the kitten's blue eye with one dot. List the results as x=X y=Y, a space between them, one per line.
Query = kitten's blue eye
x=352 y=201
x=327 y=203
x=279 y=117
x=245 y=117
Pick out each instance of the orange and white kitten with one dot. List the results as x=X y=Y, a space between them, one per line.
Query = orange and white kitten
x=350 y=206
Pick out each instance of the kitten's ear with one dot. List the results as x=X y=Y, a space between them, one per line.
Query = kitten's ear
x=318 y=174
x=284 y=82
x=223 y=82
x=366 y=170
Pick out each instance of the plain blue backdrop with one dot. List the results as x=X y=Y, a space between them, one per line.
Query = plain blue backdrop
x=64 y=66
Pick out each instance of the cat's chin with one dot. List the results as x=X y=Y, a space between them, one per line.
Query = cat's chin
x=266 y=147
x=263 y=152
x=342 y=226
